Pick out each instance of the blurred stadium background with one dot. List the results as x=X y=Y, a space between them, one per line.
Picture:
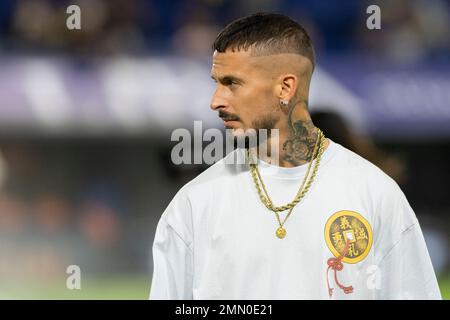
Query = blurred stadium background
x=86 y=117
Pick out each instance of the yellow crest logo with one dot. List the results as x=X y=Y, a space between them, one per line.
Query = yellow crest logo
x=348 y=236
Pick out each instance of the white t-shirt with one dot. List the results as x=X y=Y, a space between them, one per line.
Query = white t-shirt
x=216 y=239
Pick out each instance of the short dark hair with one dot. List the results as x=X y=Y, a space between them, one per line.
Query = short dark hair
x=266 y=33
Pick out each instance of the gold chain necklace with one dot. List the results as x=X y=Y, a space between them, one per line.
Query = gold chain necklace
x=318 y=151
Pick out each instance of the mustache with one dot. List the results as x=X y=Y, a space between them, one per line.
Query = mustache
x=228 y=116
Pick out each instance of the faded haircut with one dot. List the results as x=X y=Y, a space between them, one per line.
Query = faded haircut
x=266 y=34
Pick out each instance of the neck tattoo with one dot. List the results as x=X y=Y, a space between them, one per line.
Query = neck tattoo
x=299 y=145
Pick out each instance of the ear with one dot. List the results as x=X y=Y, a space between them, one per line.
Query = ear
x=287 y=87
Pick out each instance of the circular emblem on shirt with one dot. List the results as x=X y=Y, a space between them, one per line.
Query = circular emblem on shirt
x=348 y=232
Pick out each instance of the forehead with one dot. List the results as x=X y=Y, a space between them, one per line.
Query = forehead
x=239 y=62
x=244 y=65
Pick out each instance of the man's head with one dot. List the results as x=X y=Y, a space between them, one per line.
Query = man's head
x=259 y=61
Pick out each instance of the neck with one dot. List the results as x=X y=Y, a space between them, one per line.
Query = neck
x=297 y=138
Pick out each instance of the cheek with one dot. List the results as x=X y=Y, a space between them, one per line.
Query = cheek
x=258 y=97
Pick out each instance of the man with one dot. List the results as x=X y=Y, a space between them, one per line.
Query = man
x=344 y=230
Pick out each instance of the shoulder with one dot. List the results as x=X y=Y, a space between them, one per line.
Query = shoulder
x=230 y=166
x=198 y=192
x=357 y=169
x=389 y=202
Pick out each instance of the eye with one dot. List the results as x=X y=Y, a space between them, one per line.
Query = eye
x=229 y=82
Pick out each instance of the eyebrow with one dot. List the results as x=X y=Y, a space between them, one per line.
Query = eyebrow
x=227 y=78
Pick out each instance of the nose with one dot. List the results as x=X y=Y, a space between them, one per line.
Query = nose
x=217 y=101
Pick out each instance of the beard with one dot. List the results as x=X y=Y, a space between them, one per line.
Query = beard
x=259 y=132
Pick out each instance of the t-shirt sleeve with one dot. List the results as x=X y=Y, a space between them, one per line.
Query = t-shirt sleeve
x=172 y=257
x=405 y=266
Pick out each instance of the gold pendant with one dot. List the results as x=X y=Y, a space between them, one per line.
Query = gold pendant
x=281 y=232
